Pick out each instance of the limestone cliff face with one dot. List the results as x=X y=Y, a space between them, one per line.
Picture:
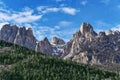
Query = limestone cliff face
x=20 y=36
x=58 y=46
x=87 y=31
x=44 y=46
x=24 y=37
x=86 y=46
x=57 y=41
x=91 y=48
x=81 y=40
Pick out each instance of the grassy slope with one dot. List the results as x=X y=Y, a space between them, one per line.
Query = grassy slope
x=25 y=64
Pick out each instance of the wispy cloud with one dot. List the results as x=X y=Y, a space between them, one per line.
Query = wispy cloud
x=103 y=24
x=105 y=1
x=64 y=23
x=45 y=31
x=25 y=16
x=28 y=17
x=67 y=10
x=84 y=2
x=71 y=11
x=116 y=28
x=60 y=30
x=98 y=30
x=2 y=3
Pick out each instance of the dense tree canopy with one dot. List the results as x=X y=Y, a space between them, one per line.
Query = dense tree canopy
x=25 y=64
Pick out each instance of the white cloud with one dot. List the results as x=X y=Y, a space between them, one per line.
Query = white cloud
x=2 y=3
x=25 y=16
x=65 y=23
x=57 y=27
x=67 y=10
x=45 y=31
x=99 y=30
x=103 y=24
x=71 y=11
x=60 y=31
x=84 y=2
x=28 y=17
x=116 y=28
x=62 y=5
x=51 y=10
x=41 y=8
x=105 y=1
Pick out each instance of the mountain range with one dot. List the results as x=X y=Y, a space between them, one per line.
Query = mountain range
x=86 y=46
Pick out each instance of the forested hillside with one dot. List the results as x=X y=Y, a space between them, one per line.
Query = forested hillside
x=20 y=63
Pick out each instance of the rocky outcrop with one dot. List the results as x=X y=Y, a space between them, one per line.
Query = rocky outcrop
x=91 y=48
x=86 y=46
x=81 y=40
x=44 y=46
x=58 y=46
x=57 y=41
x=20 y=36
x=24 y=37
x=87 y=31
x=67 y=49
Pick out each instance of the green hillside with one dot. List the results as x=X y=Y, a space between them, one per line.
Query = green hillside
x=20 y=63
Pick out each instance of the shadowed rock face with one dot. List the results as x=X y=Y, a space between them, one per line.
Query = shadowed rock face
x=21 y=36
x=86 y=46
x=45 y=46
x=87 y=30
x=91 y=48
x=24 y=37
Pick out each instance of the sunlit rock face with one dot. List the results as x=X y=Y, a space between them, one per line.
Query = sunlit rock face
x=24 y=36
x=57 y=41
x=21 y=36
x=88 y=47
x=58 y=46
x=44 y=46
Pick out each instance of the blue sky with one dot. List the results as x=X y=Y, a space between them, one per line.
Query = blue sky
x=60 y=18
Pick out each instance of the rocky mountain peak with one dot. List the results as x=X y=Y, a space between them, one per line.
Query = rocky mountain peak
x=29 y=32
x=18 y=35
x=58 y=41
x=102 y=34
x=29 y=29
x=45 y=39
x=87 y=30
x=24 y=36
x=14 y=26
x=85 y=47
x=44 y=46
x=90 y=48
x=109 y=32
x=5 y=26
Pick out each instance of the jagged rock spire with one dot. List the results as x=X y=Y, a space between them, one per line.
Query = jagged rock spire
x=87 y=30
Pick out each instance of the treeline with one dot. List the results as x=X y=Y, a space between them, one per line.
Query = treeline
x=26 y=64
